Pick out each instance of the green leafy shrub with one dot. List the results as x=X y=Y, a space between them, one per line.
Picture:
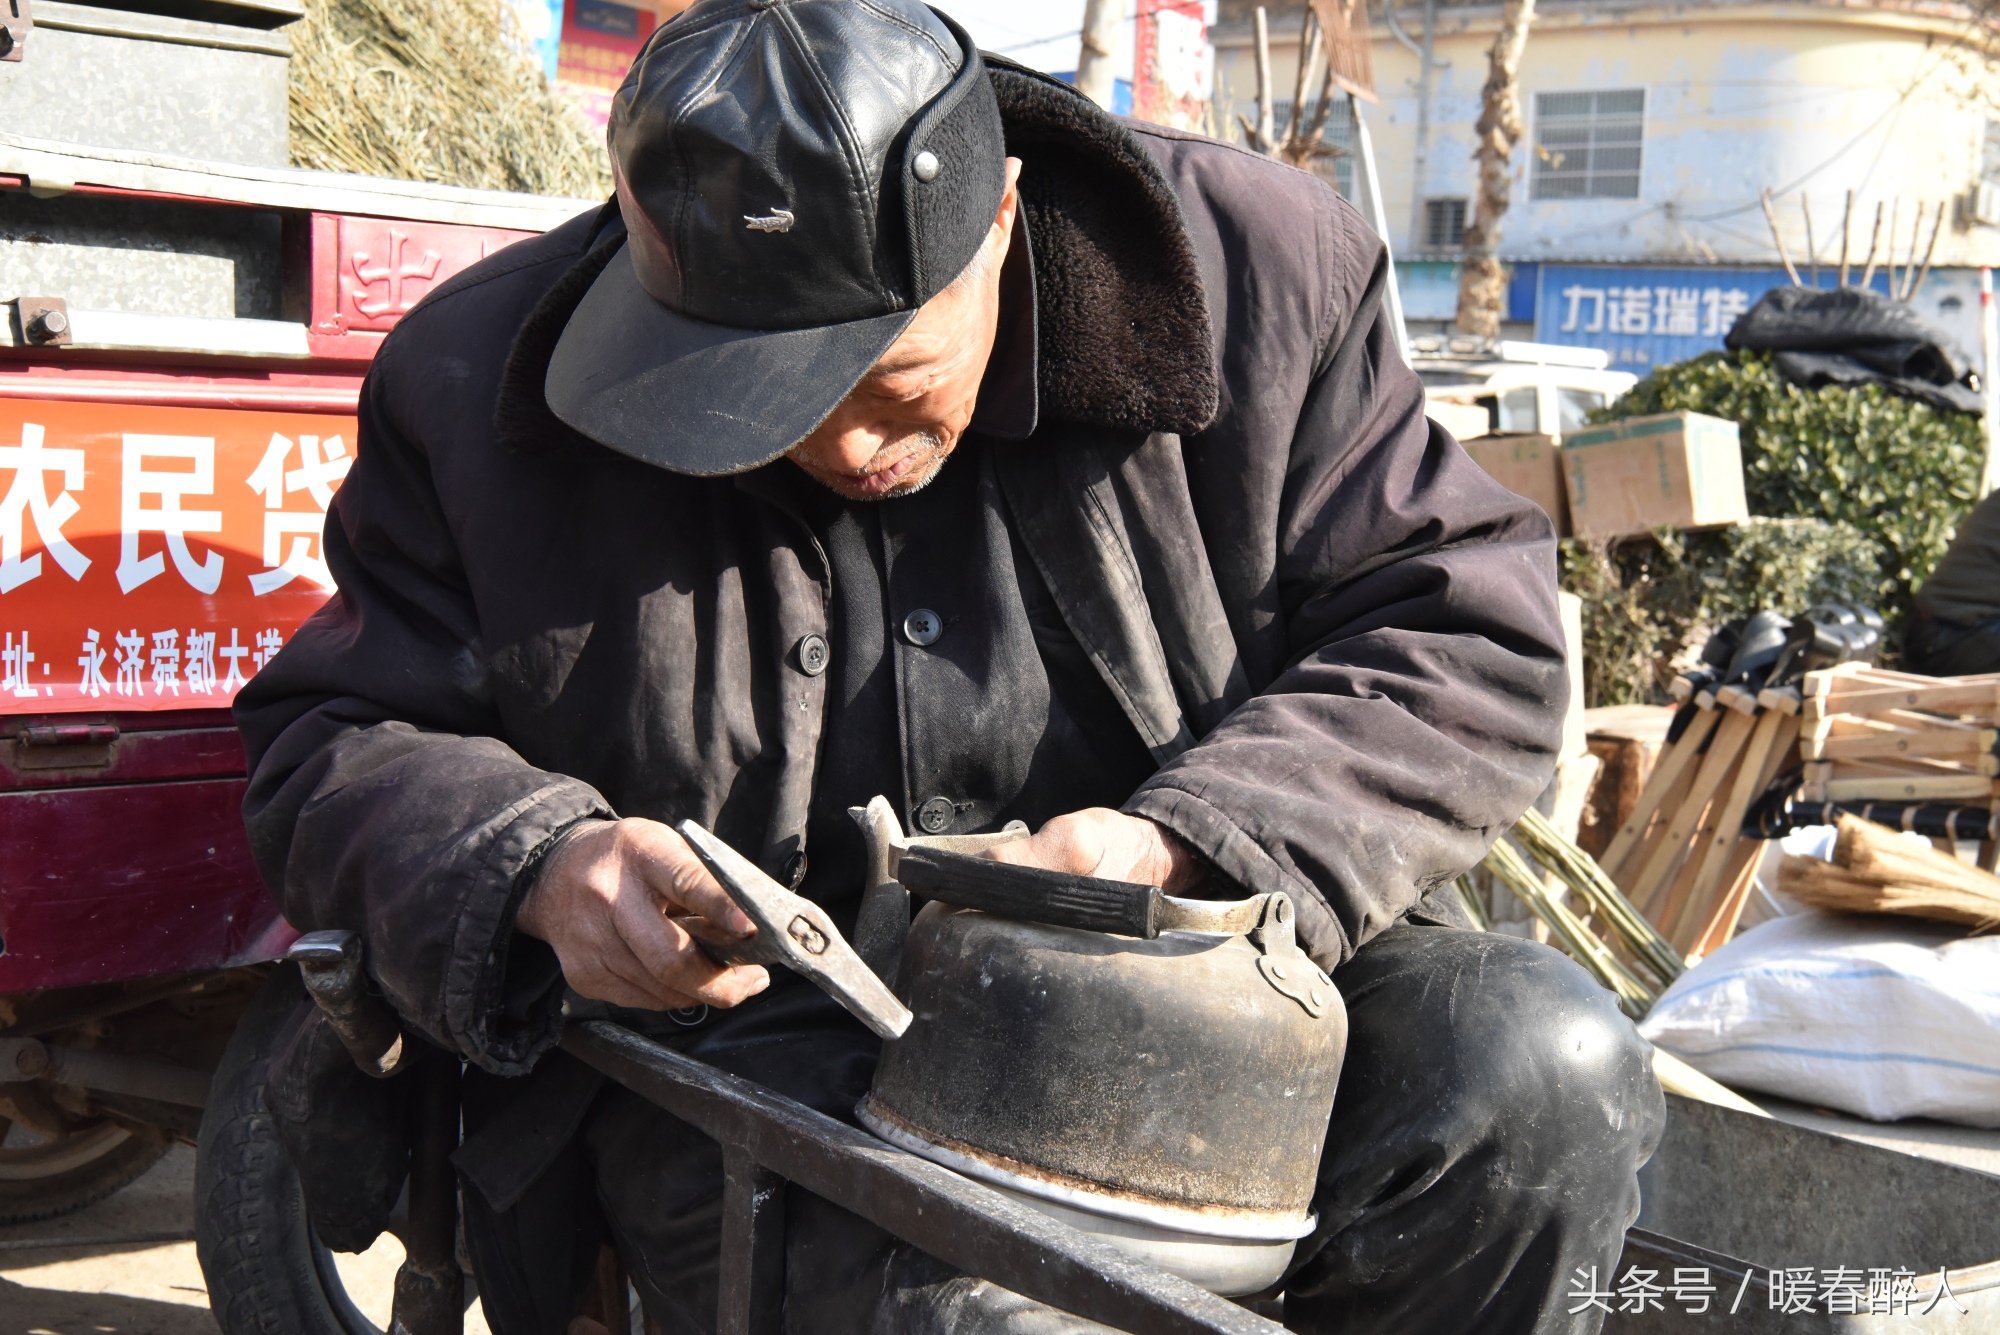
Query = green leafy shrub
x=1646 y=602
x=1860 y=490
x=1901 y=471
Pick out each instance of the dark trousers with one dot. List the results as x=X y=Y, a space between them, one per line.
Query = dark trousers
x=1493 y=1113
x=1940 y=648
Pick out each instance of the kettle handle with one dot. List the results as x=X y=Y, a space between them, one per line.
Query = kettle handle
x=1036 y=894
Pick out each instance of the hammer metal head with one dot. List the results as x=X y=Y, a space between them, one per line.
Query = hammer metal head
x=325 y=949
x=795 y=932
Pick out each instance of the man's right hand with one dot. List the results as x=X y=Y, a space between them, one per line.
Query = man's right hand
x=606 y=899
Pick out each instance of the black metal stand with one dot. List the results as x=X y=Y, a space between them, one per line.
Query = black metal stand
x=769 y=1140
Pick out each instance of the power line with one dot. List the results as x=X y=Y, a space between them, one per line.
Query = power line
x=1072 y=34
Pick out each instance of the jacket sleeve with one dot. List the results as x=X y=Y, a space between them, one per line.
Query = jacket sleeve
x=380 y=798
x=1418 y=707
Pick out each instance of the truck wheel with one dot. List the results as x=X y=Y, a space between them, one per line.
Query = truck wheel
x=268 y=1274
x=43 y=1176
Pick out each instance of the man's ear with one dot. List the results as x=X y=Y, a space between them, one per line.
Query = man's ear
x=1010 y=208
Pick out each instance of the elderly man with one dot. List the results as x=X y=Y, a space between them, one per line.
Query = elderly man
x=907 y=425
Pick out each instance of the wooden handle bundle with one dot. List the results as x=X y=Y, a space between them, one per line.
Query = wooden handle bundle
x=1875 y=870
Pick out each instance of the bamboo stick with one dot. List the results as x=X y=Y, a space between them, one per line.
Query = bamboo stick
x=1771 y=217
x=1874 y=243
x=1469 y=897
x=1911 y=286
x=1688 y=910
x=1895 y=210
x=1677 y=1077
x=1546 y=844
x=1846 y=231
x=1634 y=997
x=1812 y=247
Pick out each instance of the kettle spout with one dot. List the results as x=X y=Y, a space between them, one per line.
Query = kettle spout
x=884 y=919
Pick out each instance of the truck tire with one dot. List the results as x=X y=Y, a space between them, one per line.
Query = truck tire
x=41 y=1177
x=267 y=1273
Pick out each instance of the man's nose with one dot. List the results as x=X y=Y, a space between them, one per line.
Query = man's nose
x=854 y=448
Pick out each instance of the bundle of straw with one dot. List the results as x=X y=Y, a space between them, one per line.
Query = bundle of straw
x=1634 y=997
x=1875 y=870
x=434 y=90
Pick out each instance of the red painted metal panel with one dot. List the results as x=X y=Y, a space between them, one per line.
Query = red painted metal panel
x=320 y=394
x=156 y=558
x=122 y=853
x=109 y=883
x=129 y=757
x=367 y=273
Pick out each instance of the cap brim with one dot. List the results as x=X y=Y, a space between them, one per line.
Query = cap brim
x=701 y=398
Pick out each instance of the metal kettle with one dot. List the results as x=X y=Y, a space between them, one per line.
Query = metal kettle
x=1155 y=1071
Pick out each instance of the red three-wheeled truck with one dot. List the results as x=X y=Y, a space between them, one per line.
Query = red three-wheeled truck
x=182 y=348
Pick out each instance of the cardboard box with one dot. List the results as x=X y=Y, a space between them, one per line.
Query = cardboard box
x=1529 y=466
x=1678 y=469
x=1463 y=420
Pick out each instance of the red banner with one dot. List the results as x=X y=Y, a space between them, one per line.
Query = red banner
x=156 y=558
x=1171 y=62
x=599 y=40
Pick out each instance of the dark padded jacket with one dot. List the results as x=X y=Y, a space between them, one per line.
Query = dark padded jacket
x=1336 y=634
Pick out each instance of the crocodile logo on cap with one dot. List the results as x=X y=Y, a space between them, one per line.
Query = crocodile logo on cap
x=780 y=220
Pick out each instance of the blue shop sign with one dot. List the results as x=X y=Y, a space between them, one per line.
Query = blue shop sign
x=1648 y=317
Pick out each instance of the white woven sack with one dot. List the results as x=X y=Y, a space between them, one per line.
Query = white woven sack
x=1878 y=1016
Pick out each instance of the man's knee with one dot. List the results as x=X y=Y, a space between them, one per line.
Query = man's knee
x=1572 y=1078
x=1511 y=1041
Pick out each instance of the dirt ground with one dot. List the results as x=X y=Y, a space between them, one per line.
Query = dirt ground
x=147 y=1289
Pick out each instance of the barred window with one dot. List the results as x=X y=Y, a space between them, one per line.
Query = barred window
x=1444 y=224
x=1587 y=145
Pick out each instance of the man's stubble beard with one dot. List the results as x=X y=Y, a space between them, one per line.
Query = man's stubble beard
x=931 y=453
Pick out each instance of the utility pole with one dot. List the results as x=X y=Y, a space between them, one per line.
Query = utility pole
x=1482 y=284
x=1421 y=158
x=1096 y=77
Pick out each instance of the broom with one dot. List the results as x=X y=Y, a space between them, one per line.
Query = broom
x=1874 y=870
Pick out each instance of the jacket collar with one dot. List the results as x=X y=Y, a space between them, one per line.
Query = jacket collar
x=1119 y=334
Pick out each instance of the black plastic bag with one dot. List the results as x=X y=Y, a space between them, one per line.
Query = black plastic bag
x=1849 y=336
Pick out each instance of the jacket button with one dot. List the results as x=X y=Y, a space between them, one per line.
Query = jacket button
x=934 y=816
x=813 y=655
x=923 y=627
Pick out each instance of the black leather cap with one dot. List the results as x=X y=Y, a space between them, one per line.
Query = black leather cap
x=797 y=178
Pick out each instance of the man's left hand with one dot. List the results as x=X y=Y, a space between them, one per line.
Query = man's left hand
x=1112 y=845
